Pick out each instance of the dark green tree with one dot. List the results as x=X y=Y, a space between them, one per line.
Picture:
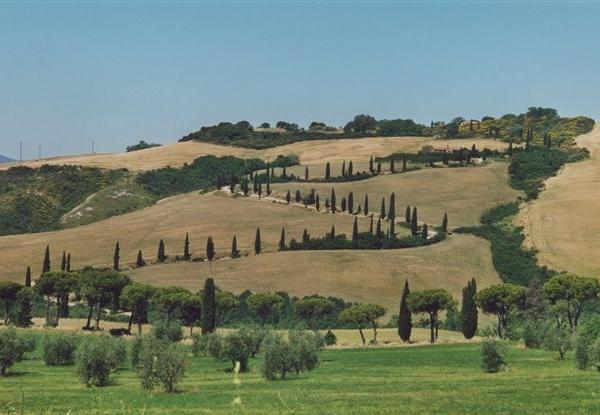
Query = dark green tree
x=343 y=204
x=234 y=250
x=116 y=257
x=392 y=166
x=344 y=168
x=425 y=231
x=28 y=277
x=209 y=307
x=257 y=242
x=161 y=251
x=288 y=197
x=378 y=167
x=46 y=264
x=333 y=201
x=379 y=232
x=140 y=259
x=371 y=168
x=366 y=205
x=431 y=302
x=186 y=247
x=24 y=313
x=282 y=246
x=210 y=249
x=68 y=262
x=392 y=208
x=382 y=211
x=444 y=227
x=468 y=311
x=351 y=203
x=355 y=229
x=63 y=262
x=8 y=296
x=405 y=316
x=306 y=173
x=327 y=171
x=404 y=163
x=414 y=223
x=298 y=196
x=350 y=171
x=317 y=203
x=407 y=215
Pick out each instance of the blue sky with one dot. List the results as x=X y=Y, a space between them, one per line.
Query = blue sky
x=116 y=73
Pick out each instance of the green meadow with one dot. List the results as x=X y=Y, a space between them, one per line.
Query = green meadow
x=441 y=379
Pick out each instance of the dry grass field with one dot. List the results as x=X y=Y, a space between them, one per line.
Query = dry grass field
x=365 y=276
x=216 y=215
x=465 y=193
x=310 y=152
x=564 y=223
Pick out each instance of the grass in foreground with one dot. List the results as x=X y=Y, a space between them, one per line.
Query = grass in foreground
x=443 y=379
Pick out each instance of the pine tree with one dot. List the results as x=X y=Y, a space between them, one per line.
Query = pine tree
x=298 y=197
x=378 y=167
x=209 y=307
x=46 y=264
x=234 y=251
x=379 y=233
x=344 y=168
x=468 y=312
x=382 y=212
x=306 y=173
x=282 y=245
x=444 y=226
x=355 y=229
x=257 y=243
x=350 y=171
x=288 y=197
x=161 y=251
x=392 y=207
x=28 y=277
x=392 y=166
x=404 y=316
x=186 y=247
x=333 y=203
x=327 y=171
x=414 y=223
x=371 y=169
x=343 y=204
x=140 y=259
x=425 y=231
x=350 y=203
x=317 y=203
x=69 y=262
x=116 y=257
x=366 y=206
x=210 y=249
x=407 y=215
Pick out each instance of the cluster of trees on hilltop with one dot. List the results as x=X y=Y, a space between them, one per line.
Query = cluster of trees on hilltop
x=142 y=145
x=34 y=200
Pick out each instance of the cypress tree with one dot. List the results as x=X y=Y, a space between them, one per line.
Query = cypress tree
x=268 y=187
x=116 y=257
x=46 y=264
x=378 y=167
x=257 y=243
x=272 y=171
x=28 y=277
x=371 y=169
x=161 y=251
x=445 y=223
x=343 y=204
x=382 y=212
x=209 y=307
x=317 y=203
x=404 y=163
x=404 y=316
x=298 y=197
x=25 y=308
x=63 y=262
x=332 y=233
x=392 y=207
x=259 y=190
x=284 y=173
x=140 y=259
x=282 y=246
x=327 y=204
x=69 y=262
x=392 y=229
x=327 y=171
x=288 y=197
x=510 y=149
x=392 y=166
x=425 y=231
x=414 y=223
x=468 y=312
x=350 y=171
x=379 y=233
x=350 y=203
x=186 y=247
x=366 y=208
x=371 y=226
x=234 y=251
x=254 y=185
x=305 y=236
x=344 y=168
x=407 y=215
x=355 y=229
x=306 y=173
x=210 y=249
x=333 y=203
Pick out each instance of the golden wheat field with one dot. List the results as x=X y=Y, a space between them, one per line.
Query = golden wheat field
x=563 y=223
x=465 y=193
x=310 y=152
x=364 y=276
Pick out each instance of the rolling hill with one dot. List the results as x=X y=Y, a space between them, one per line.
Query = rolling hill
x=4 y=159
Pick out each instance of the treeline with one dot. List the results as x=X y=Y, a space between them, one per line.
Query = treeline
x=142 y=145
x=34 y=200
x=429 y=156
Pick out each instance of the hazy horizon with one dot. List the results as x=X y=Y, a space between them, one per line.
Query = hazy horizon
x=117 y=73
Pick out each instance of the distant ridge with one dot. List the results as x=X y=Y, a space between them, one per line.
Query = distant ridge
x=4 y=159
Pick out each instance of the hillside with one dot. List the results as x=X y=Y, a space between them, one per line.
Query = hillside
x=563 y=223
x=4 y=159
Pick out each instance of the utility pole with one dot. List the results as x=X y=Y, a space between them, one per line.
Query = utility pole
x=93 y=147
x=20 y=153
x=39 y=152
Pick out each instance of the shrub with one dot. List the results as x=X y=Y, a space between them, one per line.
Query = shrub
x=28 y=343
x=135 y=350
x=59 y=350
x=533 y=335
x=118 y=332
x=167 y=330
x=582 y=351
x=11 y=349
x=97 y=358
x=235 y=349
x=558 y=340
x=160 y=361
x=330 y=339
x=492 y=354
x=594 y=354
x=210 y=344
x=253 y=337
x=299 y=354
